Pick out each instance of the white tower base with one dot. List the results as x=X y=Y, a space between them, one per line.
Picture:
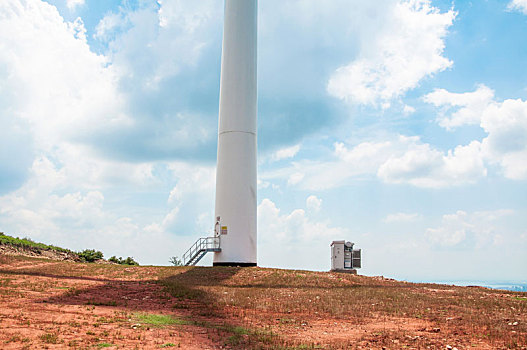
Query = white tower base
x=236 y=169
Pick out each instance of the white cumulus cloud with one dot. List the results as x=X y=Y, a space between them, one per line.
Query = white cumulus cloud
x=294 y=226
x=504 y=122
x=153 y=43
x=282 y=235
x=59 y=87
x=469 y=106
x=468 y=230
x=423 y=166
x=518 y=5
x=506 y=143
x=386 y=68
x=313 y=203
x=73 y=4
x=399 y=160
x=285 y=153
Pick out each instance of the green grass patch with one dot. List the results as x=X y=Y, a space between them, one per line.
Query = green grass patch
x=237 y=338
x=50 y=338
x=234 y=340
x=5 y=282
x=159 y=320
x=520 y=298
x=239 y=330
x=104 y=345
x=167 y=345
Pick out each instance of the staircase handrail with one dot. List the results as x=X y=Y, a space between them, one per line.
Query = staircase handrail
x=202 y=244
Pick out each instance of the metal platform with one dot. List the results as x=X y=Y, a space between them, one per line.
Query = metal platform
x=199 y=249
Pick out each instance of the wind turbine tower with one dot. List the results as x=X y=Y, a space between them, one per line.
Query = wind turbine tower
x=237 y=146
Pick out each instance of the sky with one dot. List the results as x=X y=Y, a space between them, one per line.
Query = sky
x=399 y=125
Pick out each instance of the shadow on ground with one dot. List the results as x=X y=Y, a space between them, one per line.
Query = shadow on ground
x=181 y=293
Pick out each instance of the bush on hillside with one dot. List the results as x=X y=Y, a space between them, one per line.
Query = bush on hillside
x=90 y=255
x=128 y=261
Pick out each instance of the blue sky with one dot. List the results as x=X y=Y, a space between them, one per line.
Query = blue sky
x=398 y=125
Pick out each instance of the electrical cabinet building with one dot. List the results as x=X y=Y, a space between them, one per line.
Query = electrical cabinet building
x=344 y=257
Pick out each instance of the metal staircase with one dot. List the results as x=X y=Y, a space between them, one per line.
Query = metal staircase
x=199 y=249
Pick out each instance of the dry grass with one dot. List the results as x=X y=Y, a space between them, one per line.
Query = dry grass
x=253 y=308
x=495 y=317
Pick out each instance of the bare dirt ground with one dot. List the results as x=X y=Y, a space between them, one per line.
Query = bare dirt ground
x=46 y=304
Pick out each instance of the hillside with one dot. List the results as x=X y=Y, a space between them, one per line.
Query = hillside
x=10 y=245
x=64 y=304
x=16 y=246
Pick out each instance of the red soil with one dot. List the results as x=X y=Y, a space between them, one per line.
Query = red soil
x=55 y=305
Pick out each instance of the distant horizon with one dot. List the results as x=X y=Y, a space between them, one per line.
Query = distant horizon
x=513 y=286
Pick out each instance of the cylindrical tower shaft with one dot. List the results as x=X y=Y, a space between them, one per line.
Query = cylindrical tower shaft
x=236 y=168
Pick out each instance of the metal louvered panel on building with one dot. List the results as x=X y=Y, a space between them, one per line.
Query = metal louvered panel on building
x=356 y=259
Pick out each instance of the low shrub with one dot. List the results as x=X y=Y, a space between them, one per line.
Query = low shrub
x=90 y=255
x=175 y=261
x=128 y=261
